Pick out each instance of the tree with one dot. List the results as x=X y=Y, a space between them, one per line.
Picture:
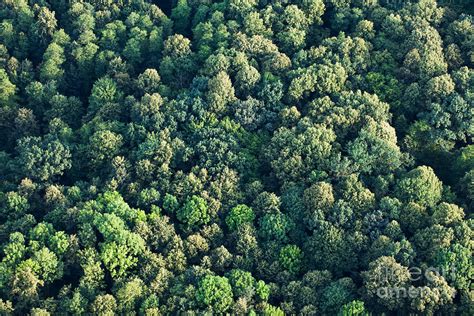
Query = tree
x=69 y=109
x=177 y=65
x=239 y=215
x=331 y=248
x=119 y=257
x=268 y=309
x=238 y=7
x=338 y=294
x=457 y=261
x=104 y=305
x=353 y=308
x=467 y=185
x=194 y=212
x=136 y=46
x=181 y=16
x=382 y=281
x=322 y=79
x=120 y=248
x=7 y=89
x=429 y=241
x=291 y=258
x=299 y=151
x=93 y=279
x=14 y=205
x=104 y=91
x=242 y=282
x=46 y=24
x=148 y=111
x=214 y=292
x=129 y=294
x=255 y=25
x=434 y=296
x=48 y=265
x=447 y=214
x=51 y=68
x=292 y=28
x=451 y=120
x=246 y=78
x=465 y=159
x=42 y=159
x=413 y=217
x=251 y=113
x=103 y=146
x=314 y=10
x=149 y=81
x=318 y=198
x=262 y=290
x=375 y=149
x=221 y=92
x=236 y=157
x=420 y=185
x=275 y=226
x=426 y=58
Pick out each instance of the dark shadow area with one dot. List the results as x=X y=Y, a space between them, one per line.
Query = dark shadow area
x=165 y=5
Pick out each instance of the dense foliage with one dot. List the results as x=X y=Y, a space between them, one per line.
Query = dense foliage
x=269 y=157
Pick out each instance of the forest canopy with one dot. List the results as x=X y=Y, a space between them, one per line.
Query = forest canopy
x=248 y=157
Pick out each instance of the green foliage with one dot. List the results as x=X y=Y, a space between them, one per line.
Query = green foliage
x=239 y=215
x=121 y=248
x=262 y=290
x=149 y=81
x=242 y=282
x=236 y=157
x=103 y=146
x=214 y=292
x=181 y=16
x=338 y=294
x=129 y=294
x=104 y=91
x=42 y=159
x=330 y=248
x=272 y=310
x=290 y=258
x=447 y=214
x=104 y=305
x=7 y=89
x=53 y=59
x=420 y=185
x=275 y=227
x=194 y=212
x=13 y=205
x=353 y=308
x=170 y=203
x=385 y=86
x=321 y=79
x=465 y=160
x=385 y=273
x=457 y=259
